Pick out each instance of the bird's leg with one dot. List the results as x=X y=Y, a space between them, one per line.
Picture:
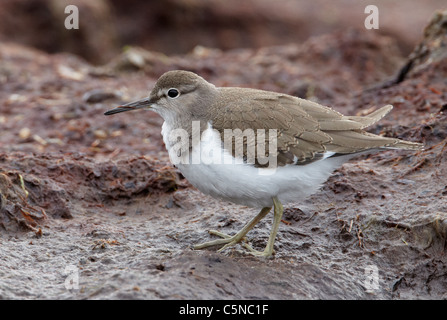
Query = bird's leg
x=232 y=240
x=277 y=215
x=228 y=241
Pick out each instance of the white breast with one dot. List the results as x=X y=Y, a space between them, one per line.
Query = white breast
x=243 y=183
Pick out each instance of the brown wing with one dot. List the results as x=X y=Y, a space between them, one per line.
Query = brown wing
x=305 y=129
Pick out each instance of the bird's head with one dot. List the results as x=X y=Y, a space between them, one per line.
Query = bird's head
x=175 y=93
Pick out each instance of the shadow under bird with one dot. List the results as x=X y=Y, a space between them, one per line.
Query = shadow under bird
x=305 y=142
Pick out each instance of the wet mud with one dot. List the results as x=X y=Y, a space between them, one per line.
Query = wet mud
x=98 y=195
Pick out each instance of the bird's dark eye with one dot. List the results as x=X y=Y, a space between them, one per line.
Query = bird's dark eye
x=173 y=93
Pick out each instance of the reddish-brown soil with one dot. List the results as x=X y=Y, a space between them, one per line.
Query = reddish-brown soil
x=98 y=193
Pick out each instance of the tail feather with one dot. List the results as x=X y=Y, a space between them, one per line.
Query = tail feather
x=350 y=137
x=371 y=118
x=406 y=145
x=354 y=122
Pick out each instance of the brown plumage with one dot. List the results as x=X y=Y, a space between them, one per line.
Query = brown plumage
x=306 y=132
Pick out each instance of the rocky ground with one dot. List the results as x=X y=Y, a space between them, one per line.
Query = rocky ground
x=93 y=196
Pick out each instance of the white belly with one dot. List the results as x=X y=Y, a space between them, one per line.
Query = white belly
x=245 y=184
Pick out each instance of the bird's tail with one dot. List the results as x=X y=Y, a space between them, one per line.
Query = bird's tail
x=355 y=139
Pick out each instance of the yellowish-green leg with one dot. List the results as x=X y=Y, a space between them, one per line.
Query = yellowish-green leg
x=277 y=215
x=232 y=240
x=228 y=241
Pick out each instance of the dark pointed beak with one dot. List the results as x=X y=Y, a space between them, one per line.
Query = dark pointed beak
x=140 y=104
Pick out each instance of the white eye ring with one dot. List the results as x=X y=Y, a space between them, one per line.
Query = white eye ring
x=173 y=93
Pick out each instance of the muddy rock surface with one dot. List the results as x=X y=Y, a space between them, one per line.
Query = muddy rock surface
x=97 y=195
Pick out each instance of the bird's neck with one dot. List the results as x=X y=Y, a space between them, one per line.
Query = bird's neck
x=183 y=128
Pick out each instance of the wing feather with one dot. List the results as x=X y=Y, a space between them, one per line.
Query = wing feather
x=305 y=129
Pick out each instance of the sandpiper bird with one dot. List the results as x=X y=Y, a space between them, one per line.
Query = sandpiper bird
x=296 y=144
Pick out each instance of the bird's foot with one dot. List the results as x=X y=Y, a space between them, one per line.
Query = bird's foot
x=226 y=240
x=229 y=241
